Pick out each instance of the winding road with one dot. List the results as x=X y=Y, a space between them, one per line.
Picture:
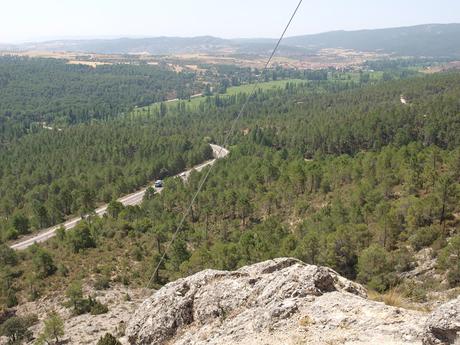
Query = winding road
x=130 y=199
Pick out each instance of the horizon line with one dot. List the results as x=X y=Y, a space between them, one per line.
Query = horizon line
x=118 y=37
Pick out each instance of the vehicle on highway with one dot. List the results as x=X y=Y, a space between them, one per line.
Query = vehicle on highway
x=158 y=184
x=131 y=199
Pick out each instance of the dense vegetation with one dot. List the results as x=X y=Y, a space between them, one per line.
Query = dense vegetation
x=52 y=91
x=50 y=174
x=344 y=176
x=46 y=176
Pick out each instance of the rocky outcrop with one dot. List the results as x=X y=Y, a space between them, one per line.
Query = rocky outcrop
x=86 y=328
x=281 y=301
x=443 y=325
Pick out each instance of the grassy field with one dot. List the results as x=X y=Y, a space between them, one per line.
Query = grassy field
x=234 y=90
x=247 y=88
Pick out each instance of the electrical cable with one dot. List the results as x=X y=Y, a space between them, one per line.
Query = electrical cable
x=225 y=143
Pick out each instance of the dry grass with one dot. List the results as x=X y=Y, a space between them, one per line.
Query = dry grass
x=374 y=296
x=393 y=298
x=306 y=321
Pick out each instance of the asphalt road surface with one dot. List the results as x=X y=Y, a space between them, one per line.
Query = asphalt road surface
x=130 y=199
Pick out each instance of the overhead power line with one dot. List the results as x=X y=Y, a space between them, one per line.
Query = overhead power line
x=225 y=143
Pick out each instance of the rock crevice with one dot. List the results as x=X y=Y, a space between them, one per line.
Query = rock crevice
x=443 y=325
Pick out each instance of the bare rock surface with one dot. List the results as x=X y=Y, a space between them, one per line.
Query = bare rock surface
x=443 y=325
x=425 y=264
x=281 y=301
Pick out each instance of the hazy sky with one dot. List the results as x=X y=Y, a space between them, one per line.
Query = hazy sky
x=22 y=20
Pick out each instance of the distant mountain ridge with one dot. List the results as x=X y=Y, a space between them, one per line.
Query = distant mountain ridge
x=154 y=45
x=420 y=40
x=430 y=40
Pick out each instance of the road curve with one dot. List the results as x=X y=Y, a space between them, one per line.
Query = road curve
x=130 y=199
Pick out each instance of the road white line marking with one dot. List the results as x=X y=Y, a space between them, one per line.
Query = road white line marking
x=130 y=199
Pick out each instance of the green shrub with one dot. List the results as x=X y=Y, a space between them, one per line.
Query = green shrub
x=43 y=263
x=137 y=254
x=403 y=260
x=80 y=238
x=15 y=329
x=61 y=234
x=7 y=256
x=108 y=339
x=11 y=299
x=11 y=234
x=102 y=283
x=453 y=277
x=424 y=237
x=83 y=305
x=53 y=330
x=415 y=291
x=449 y=259
x=74 y=294
x=374 y=268
x=97 y=307
x=21 y=223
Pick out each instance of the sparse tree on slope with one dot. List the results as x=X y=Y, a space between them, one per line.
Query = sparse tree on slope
x=54 y=329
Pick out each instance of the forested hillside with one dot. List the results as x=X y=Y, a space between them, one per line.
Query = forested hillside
x=339 y=175
x=33 y=91
x=440 y=40
x=49 y=175
x=54 y=172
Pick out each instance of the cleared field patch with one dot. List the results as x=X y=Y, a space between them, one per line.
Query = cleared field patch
x=247 y=88
x=93 y=64
x=194 y=102
x=317 y=85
